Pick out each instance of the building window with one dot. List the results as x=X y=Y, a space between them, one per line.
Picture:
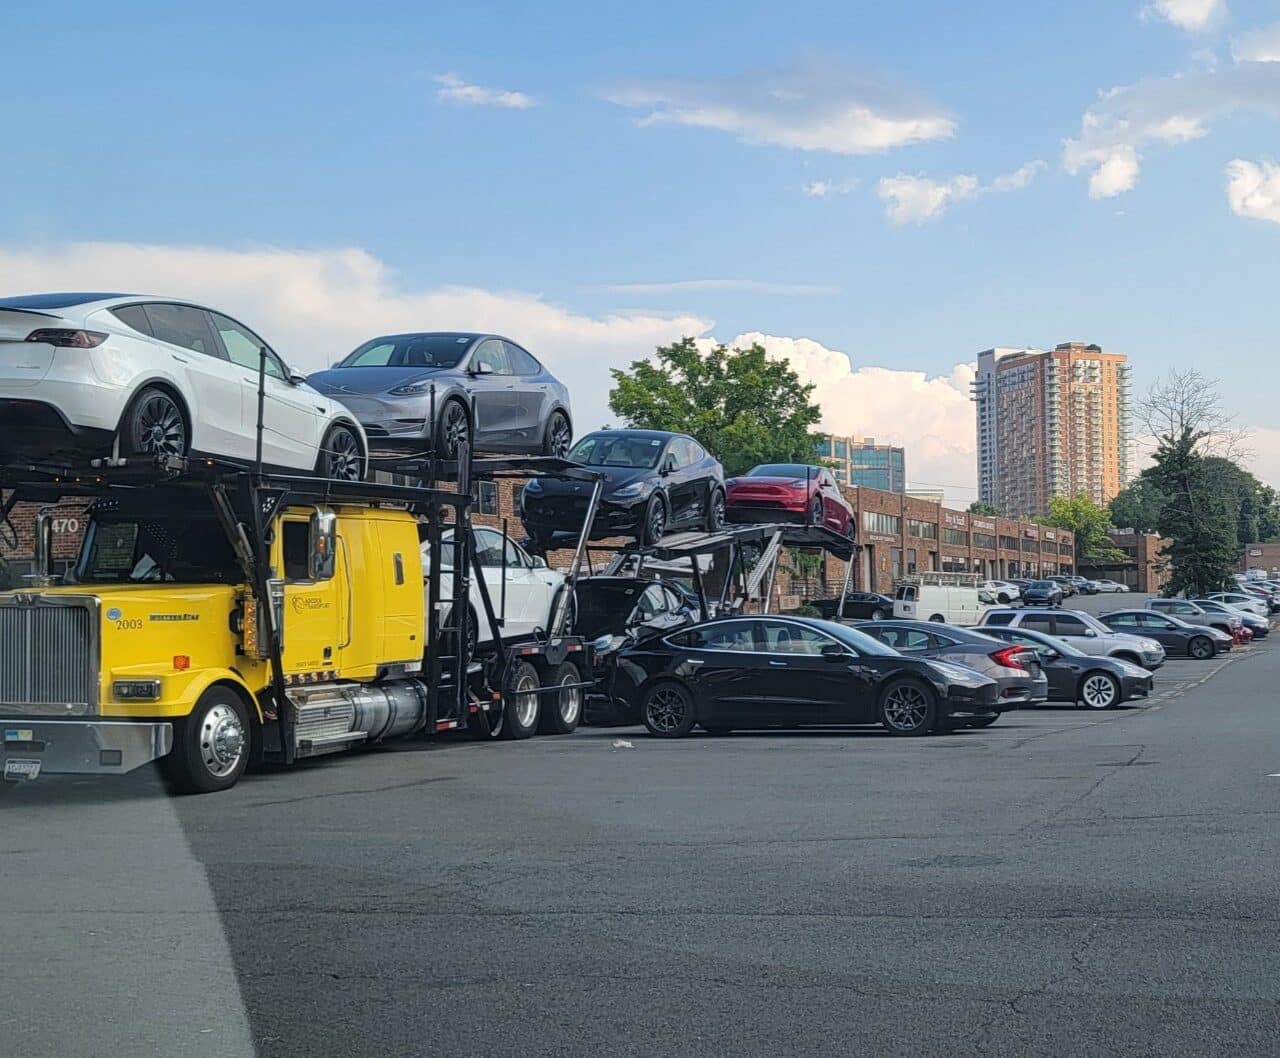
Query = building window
x=486 y=497
x=875 y=522
x=955 y=537
x=895 y=562
x=911 y=560
x=923 y=530
x=842 y=449
x=1009 y=543
x=985 y=541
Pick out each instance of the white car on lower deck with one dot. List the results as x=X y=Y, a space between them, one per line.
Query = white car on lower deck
x=522 y=588
x=81 y=373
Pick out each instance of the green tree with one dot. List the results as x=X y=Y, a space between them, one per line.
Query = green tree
x=745 y=407
x=988 y=510
x=1138 y=505
x=1200 y=513
x=1090 y=523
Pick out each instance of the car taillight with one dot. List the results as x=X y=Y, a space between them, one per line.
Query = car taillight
x=66 y=338
x=1009 y=657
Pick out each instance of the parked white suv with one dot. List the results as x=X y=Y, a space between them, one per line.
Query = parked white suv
x=1083 y=631
x=523 y=605
x=81 y=372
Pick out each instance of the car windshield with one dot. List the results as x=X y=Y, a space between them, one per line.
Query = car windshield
x=185 y=550
x=411 y=350
x=783 y=470
x=618 y=450
x=1043 y=584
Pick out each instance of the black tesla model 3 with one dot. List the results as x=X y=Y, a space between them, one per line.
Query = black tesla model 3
x=654 y=483
x=772 y=671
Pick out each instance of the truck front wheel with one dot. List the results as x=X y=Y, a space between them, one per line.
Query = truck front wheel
x=211 y=746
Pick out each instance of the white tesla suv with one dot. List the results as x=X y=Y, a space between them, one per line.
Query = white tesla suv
x=79 y=372
x=531 y=592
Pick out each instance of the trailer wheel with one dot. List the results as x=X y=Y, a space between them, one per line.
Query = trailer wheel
x=211 y=746
x=562 y=712
x=520 y=701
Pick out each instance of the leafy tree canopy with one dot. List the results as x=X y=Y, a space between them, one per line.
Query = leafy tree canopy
x=989 y=510
x=743 y=406
x=1090 y=523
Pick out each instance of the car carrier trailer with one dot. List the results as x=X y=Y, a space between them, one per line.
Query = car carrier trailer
x=219 y=614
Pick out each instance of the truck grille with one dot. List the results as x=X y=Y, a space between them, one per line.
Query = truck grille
x=48 y=657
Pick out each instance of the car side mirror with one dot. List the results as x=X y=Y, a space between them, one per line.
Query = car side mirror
x=834 y=653
x=539 y=562
x=668 y=465
x=1048 y=653
x=1092 y=633
x=296 y=378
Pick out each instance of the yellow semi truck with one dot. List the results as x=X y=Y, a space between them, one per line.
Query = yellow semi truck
x=216 y=616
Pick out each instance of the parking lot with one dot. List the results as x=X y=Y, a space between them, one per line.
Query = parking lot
x=1061 y=876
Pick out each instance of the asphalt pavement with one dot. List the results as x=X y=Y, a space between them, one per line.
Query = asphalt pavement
x=1062 y=883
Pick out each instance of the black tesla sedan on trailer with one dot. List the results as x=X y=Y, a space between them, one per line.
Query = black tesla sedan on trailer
x=772 y=671
x=654 y=483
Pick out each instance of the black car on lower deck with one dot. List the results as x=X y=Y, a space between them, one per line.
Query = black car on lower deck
x=773 y=671
x=654 y=483
x=1095 y=681
x=863 y=605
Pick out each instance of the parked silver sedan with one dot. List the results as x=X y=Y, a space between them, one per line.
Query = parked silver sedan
x=1016 y=669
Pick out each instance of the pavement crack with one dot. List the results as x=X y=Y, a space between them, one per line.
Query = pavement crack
x=354 y=793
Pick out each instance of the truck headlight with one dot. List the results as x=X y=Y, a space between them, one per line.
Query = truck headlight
x=135 y=690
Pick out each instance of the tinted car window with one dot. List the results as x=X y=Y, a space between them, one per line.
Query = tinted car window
x=521 y=362
x=696 y=452
x=134 y=316
x=617 y=450
x=1038 y=622
x=680 y=450
x=492 y=354
x=242 y=346
x=998 y=619
x=410 y=350
x=905 y=638
x=1070 y=626
x=781 y=470
x=735 y=635
x=183 y=326
x=489 y=547
x=1155 y=620
x=783 y=638
x=1123 y=620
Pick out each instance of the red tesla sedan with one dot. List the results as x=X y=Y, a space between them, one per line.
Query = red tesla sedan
x=790 y=492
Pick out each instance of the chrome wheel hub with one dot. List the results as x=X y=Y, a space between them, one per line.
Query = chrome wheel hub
x=222 y=741
x=526 y=700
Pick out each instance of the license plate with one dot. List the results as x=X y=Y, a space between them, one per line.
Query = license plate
x=21 y=770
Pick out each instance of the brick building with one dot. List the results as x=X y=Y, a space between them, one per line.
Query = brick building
x=1144 y=567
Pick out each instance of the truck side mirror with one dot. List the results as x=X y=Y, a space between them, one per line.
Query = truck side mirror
x=323 y=545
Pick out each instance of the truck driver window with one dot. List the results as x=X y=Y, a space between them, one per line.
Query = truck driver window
x=295 y=550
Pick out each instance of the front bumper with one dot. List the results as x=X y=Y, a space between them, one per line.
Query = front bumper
x=969 y=703
x=80 y=747
x=1136 y=686
x=1152 y=661
x=563 y=513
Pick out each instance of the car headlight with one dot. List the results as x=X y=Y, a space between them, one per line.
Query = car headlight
x=1152 y=646
x=627 y=491
x=411 y=389
x=957 y=673
x=533 y=485
x=1130 y=669
x=607 y=644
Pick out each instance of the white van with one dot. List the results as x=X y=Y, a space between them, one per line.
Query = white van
x=953 y=598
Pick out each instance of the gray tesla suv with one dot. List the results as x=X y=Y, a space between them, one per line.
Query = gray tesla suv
x=485 y=386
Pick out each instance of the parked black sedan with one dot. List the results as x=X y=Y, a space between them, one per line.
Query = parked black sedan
x=868 y=605
x=772 y=671
x=1172 y=633
x=654 y=482
x=1094 y=681
x=1042 y=593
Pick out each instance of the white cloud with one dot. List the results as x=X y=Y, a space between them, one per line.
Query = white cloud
x=1253 y=189
x=455 y=90
x=826 y=188
x=817 y=107
x=1257 y=45
x=717 y=286
x=932 y=416
x=917 y=199
x=315 y=306
x=1163 y=111
x=1195 y=16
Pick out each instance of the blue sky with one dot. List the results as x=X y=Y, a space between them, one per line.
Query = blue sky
x=382 y=128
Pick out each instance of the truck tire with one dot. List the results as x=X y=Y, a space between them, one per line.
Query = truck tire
x=211 y=746
x=520 y=701
x=561 y=713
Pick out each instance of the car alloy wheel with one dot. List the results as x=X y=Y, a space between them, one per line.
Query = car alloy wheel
x=1200 y=648
x=559 y=436
x=878 y=615
x=668 y=711
x=455 y=430
x=906 y=709
x=715 y=512
x=816 y=512
x=342 y=457
x=156 y=426
x=1099 y=691
x=655 y=520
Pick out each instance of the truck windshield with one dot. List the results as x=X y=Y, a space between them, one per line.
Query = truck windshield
x=183 y=550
